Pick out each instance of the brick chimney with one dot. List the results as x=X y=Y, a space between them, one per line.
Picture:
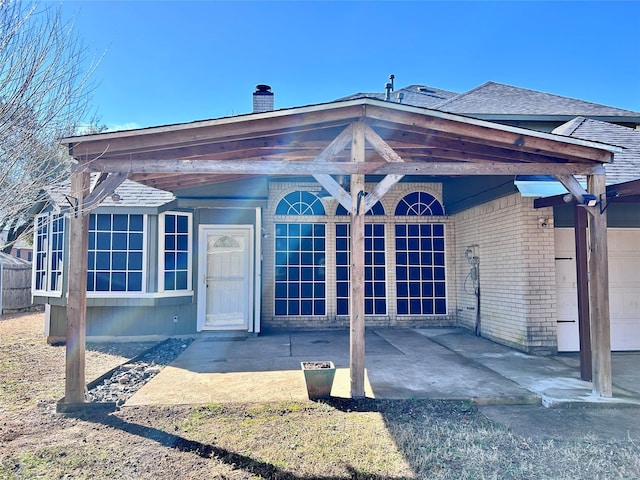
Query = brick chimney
x=262 y=99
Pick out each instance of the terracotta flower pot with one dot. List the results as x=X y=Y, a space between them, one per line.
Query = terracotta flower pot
x=319 y=378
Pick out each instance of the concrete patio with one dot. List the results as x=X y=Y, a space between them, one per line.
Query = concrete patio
x=434 y=363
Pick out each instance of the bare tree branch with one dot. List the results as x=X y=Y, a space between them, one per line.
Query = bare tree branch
x=44 y=96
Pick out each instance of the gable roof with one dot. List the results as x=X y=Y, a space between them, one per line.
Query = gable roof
x=626 y=164
x=289 y=142
x=496 y=99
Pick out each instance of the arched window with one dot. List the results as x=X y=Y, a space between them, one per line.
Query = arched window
x=420 y=258
x=300 y=258
x=300 y=203
x=419 y=204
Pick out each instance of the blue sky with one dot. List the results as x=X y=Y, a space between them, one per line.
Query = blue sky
x=171 y=62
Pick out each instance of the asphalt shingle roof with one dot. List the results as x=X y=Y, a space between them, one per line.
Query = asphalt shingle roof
x=626 y=164
x=9 y=260
x=132 y=194
x=415 y=95
x=498 y=99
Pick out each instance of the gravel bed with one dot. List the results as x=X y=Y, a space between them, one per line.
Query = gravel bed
x=127 y=379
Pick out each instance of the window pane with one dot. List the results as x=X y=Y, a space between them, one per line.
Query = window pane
x=118 y=282
x=103 y=261
x=182 y=261
x=135 y=261
x=135 y=241
x=183 y=224
x=119 y=241
x=102 y=281
x=181 y=281
x=119 y=261
x=183 y=243
x=169 y=224
x=169 y=280
x=169 y=261
x=135 y=282
x=120 y=223
x=103 y=222
x=104 y=241
x=136 y=223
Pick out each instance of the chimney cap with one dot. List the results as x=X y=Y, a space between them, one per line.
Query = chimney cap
x=261 y=87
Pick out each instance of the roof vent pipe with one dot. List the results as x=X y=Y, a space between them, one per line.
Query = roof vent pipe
x=389 y=88
x=262 y=99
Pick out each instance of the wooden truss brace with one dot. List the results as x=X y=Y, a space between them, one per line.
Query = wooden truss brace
x=338 y=145
x=577 y=190
x=104 y=186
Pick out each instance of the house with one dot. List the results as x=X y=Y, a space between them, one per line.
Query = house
x=256 y=232
x=19 y=249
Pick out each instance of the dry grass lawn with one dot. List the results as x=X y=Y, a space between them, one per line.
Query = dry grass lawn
x=370 y=439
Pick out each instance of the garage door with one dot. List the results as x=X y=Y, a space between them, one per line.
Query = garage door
x=624 y=289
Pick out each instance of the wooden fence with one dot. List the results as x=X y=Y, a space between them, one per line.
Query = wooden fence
x=15 y=284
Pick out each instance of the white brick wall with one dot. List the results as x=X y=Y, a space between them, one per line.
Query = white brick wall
x=517 y=268
x=517 y=273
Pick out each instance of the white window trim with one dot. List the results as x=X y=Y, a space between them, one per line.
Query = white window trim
x=145 y=261
x=47 y=292
x=161 y=251
x=167 y=294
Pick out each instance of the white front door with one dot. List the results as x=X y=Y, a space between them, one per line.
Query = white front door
x=225 y=295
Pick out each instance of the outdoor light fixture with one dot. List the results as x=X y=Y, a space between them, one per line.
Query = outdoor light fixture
x=589 y=200
x=73 y=203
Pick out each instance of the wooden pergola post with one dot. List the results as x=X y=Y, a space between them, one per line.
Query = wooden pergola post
x=356 y=306
x=77 y=299
x=582 y=287
x=599 y=290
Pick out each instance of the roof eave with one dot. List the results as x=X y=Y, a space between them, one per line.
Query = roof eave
x=336 y=105
x=553 y=118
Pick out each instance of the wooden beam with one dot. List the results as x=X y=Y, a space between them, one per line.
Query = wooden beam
x=489 y=133
x=102 y=189
x=574 y=187
x=275 y=167
x=380 y=145
x=438 y=143
x=599 y=292
x=582 y=287
x=77 y=295
x=220 y=130
x=335 y=189
x=617 y=193
x=356 y=304
x=388 y=181
x=336 y=146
